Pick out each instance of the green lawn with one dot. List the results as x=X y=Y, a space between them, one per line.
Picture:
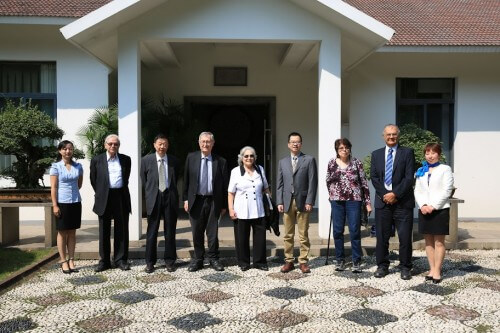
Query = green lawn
x=11 y=260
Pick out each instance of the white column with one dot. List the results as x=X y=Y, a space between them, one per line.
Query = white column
x=329 y=122
x=129 y=124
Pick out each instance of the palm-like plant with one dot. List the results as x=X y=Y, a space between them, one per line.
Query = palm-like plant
x=104 y=121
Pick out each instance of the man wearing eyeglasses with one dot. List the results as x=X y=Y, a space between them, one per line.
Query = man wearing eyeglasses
x=392 y=171
x=109 y=174
x=206 y=180
x=296 y=194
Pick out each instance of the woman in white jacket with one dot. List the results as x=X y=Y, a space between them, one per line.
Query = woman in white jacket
x=433 y=187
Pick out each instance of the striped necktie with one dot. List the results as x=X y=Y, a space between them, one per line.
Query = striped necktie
x=162 y=182
x=388 y=168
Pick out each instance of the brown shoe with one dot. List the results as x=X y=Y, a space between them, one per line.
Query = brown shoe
x=287 y=267
x=304 y=268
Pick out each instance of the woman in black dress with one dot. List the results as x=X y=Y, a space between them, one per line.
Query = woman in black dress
x=433 y=187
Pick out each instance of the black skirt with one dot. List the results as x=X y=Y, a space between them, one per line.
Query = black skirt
x=436 y=223
x=71 y=216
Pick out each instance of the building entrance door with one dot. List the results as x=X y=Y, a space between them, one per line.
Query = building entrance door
x=237 y=122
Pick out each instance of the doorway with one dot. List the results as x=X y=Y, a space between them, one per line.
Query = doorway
x=237 y=122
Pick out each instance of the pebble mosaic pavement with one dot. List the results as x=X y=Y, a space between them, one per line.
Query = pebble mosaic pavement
x=468 y=299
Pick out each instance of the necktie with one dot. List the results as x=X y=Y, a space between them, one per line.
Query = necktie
x=294 y=164
x=388 y=168
x=204 y=177
x=162 y=181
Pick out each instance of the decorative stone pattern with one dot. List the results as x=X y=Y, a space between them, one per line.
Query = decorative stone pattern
x=490 y=285
x=104 y=323
x=470 y=268
x=433 y=289
x=287 y=276
x=210 y=296
x=54 y=299
x=156 y=278
x=369 y=317
x=194 y=321
x=220 y=277
x=285 y=293
x=361 y=291
x=281 y=318
x=452 y=312
x=132 y=297
x=87 y=280
x=17 y=325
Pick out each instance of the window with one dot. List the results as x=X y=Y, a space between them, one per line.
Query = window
x=28 y=80
x=428 y=103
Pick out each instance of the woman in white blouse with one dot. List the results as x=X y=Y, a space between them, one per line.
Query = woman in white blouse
x=433 y=187
x=247 y=186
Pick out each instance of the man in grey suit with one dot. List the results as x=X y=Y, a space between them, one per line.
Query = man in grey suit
x=159 y=179
x=296 y=194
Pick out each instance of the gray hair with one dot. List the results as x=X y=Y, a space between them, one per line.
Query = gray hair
x=112 y=136
x=391 y=125
x=242 y=152
x=210 y=134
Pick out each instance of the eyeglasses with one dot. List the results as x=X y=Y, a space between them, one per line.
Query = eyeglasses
x=116 y=144
x=344 y=149
x=295 y=142
x=249 y=156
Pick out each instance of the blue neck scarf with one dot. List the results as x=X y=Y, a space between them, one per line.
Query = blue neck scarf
x=421 y=171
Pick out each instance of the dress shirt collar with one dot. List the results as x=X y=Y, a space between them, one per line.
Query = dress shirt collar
x=158 y=158
x=108 y=157
x=393 y=148
x=209 y=156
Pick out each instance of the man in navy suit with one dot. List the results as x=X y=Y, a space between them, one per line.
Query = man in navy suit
x=392 y=172
x=159 y=172
x=109 y=174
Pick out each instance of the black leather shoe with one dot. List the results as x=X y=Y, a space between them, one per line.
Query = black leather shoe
x=170 y=267
x=195 y=265
x=262 y=267
x=381 y=272
x=102 y=266
x=436 y=281
x=215 y=264
x=245 y=268
x=405 y=274
x=123 y=265
x=150 y=268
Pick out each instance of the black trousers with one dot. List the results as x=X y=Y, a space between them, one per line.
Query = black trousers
x=115 y=210
x=402 y=218
x=168 y=209
x=203 y=220
x=242 y=241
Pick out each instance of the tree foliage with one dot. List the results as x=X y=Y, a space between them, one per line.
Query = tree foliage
x=414 y=137
x=28 y=134
x=102 y=122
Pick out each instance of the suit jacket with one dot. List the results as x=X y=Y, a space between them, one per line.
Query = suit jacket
x=403 y=171
x=150 y=175
x=304 y=182
x=437 y=191
x=99 y=178
x=220 y=180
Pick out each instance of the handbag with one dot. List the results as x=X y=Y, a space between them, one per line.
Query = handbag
x=271 y=215
x=363 y=211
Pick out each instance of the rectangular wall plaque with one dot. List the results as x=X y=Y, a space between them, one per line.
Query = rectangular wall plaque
x=230 y=76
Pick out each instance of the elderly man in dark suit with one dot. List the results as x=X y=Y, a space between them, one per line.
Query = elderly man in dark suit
x=109 y=174
x=159 y=179
x=392 y=172
x=206 y=181
x=296 y=194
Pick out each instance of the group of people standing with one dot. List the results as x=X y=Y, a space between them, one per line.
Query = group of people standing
x=210 y=190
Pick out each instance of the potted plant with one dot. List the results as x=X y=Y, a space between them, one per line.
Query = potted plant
x=27 y=133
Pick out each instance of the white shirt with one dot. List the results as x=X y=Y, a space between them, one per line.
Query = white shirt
x=115 y=171
x=165 y=161
x=248 y=193
x=394 y=149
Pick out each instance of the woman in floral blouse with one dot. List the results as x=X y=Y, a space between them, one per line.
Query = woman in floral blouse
x=348 y=190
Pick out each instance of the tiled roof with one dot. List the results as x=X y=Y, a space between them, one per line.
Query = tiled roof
x=416 y=22
x=437 y=22
x=49 y=8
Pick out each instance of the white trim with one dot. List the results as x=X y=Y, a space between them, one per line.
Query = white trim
x=440 y=49
x=38 y=20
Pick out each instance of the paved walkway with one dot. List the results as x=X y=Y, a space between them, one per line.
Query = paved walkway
x=256 y=301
